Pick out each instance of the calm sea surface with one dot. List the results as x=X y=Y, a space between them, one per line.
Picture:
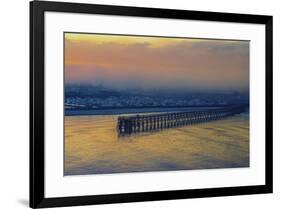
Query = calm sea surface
x=69 y=112
x=92 y=146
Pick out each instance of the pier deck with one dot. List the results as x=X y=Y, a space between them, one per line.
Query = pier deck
x=128 y=125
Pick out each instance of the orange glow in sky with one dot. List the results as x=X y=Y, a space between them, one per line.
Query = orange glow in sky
x=156 y=62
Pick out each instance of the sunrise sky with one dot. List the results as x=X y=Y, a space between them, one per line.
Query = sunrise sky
x=156 y=63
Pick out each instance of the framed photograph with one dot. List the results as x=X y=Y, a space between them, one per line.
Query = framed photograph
x=133 y=104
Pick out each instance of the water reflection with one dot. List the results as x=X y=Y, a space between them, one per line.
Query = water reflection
x=92 y=146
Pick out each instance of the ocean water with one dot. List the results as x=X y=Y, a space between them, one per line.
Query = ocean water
x=118 y=111
x=92 y=146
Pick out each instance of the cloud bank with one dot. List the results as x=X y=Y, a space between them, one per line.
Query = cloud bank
x=162 y=63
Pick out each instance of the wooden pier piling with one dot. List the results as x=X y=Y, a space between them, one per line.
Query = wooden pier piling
x=128 y=125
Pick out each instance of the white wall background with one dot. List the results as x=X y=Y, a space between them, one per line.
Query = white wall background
x=14 y=102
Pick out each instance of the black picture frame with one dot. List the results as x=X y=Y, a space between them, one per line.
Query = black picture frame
x=37 y=115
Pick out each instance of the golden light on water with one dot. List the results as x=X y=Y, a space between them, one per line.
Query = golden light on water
x=92 y=146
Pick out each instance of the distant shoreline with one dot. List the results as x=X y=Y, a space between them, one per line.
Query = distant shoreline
x=119 y=111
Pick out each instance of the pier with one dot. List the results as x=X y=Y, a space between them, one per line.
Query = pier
x=128 y=125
